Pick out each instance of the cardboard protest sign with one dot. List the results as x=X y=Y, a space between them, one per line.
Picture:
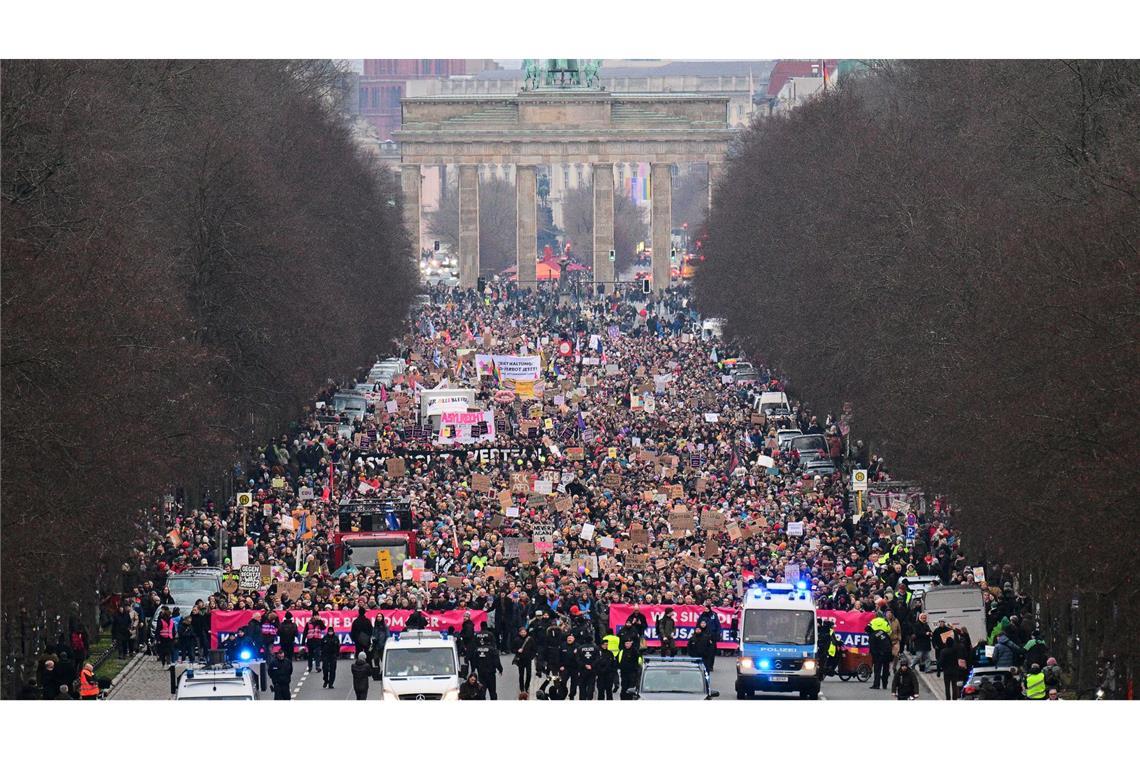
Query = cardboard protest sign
x=611 y=480
x=575 y=453
x=481 y=482
x=565 y=504
x=266 y=575
x=638 y=534
x=676 y=491
x=249 y=577
x=712 y=521
x=493 y=571
x=454 y=581
x=230 y=586
x=520 y=482
x=277 y=482
x=505 y=499
x=290 y=589
x=681 y=521
x=702 y=485
x=637 y=560
x=497 y=520
x=694 y=563
x=757 y=419
x=396 y=467
x=734 y=531
x=527 y=555
x=712 y=549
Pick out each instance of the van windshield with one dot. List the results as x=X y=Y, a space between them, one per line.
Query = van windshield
x=419 y=663
x=190 y=590
x=364 y=551
x=791 y=627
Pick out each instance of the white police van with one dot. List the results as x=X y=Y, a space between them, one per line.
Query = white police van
x=777 y=641
x=421 y=665
x=217 y=682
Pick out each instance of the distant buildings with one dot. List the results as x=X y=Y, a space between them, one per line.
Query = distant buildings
x=384 y=82
x=793 y=82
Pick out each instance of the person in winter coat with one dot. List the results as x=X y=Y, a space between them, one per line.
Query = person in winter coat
x=330 y=651
x=314 y=632
x=379 y=641
x=287 y=632
x=606 y=668
x=896 y=637
x=667 y=633
x=949 y=664
x=905 y=683
x=635 y=625
x=921 y=641
x=703 y=645
x=361 y=632
x=1036 y=651
x=280 y=675
x=417 y=621
x=361 y=675
x=472 y=689
x=712 y=622
x=485 y=660
x=629 y=666
x=586 y=657
x=879 y=631
x=524 y=657
x=1007 y=654
x=1052 y=673
x=121 y=631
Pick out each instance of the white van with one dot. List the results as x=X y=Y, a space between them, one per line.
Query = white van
x=957 y=605
x=421 y=665
x=220 y=682
x=773 y=404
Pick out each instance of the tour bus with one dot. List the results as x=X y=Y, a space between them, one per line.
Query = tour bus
x=777 y=641
x=421 y=666
x=367 y=526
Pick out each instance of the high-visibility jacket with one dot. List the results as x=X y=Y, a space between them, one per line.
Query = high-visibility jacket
x=166 y=628
x=1035 y=686
x=621 y=652
x=89 y=687
x=881 y=624
x=612 y=643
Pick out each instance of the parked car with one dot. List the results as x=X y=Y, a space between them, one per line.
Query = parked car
x=785 y=436
x=811 y=447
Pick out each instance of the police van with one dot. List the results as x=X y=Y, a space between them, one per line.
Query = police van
x=217 y=682
x=777 y=641
x=421 y=665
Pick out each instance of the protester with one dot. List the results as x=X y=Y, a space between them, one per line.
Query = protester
x=669 y=430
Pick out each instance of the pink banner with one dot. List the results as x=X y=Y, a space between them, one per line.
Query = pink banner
x=461 y=418
x=851 y=627
x=226 y=624
x=686 y=617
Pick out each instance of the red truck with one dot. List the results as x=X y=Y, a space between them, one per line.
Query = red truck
x=369 y=525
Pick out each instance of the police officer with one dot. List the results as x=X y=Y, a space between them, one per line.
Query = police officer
x=605 y=668
x=280 y=673
x=629 y=666
x=586 y=657
x=486 y=662
x=568 y=664
x=330 y=651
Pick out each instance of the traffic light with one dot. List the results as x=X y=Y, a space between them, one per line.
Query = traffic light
x=481 y=284
x=673 y=255
x=613 y=255
x=436 y=245
x=645 y=286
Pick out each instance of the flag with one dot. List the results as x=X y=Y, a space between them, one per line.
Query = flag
x=712 y=356
x=495 y=372
x=581 y=422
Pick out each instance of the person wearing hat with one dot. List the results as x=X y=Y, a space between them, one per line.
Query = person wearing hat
x=361 y=675
x=88 y=685
x=330 y=652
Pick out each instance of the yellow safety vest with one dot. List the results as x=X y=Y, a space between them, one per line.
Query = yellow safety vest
x=612 y=643
x=1035 y=686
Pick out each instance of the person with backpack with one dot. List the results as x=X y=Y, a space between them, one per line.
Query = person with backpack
x=361 y=675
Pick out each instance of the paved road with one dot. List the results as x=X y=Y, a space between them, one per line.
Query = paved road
x=152 y=681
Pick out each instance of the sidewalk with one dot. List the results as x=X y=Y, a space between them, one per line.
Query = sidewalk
x=143 y=678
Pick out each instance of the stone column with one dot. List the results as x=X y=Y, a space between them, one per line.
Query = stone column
x=526 y=225
x=661 y=179
x=603 y=223
x=468 y=225
x=410 y=182
x=716 y=168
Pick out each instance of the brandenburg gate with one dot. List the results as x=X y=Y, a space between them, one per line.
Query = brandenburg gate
x=560 y=117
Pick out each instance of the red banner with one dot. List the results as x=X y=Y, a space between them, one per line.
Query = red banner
x=686 y=617
x=226 y=624
x=851 y=627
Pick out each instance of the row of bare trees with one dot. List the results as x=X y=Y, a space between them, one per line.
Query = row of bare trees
x=190 y=250
x=952 y=248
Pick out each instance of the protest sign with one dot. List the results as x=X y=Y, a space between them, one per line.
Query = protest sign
x=396 y=467
x=712 y=521
x=480 y=482
x=249 y=578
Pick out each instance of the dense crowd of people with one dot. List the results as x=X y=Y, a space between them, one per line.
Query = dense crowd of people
x=699 y=447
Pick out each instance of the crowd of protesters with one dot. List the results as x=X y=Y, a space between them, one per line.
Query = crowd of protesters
x=697 y=448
